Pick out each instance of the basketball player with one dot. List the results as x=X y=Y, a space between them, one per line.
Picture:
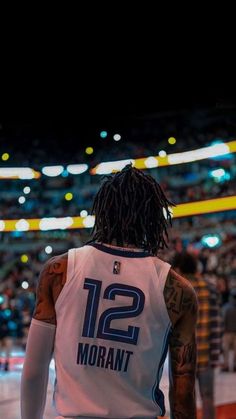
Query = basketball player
x=109 y=311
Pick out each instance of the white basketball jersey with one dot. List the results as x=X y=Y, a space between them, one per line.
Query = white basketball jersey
x=112 y=335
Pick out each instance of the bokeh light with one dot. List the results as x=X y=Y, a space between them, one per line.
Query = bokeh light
x=21 y=200
x=68 y=196
x=89 y=150
x=172 y=140
x=5 y=156
x=162 y=153
x=48 y=250
x=26 y=190
x=103 y=134
x=117 y=137
x=24 y=258
x=83 y=213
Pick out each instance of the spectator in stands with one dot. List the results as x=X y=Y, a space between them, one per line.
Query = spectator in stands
x=209 y=330
x=5 y=340
x=229 y=339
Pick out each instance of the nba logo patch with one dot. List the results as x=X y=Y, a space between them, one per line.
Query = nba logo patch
x=116 y=267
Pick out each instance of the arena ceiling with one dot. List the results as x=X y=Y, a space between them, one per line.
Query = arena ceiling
x=84 y=107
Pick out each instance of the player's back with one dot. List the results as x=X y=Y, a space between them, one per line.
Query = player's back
x=112 y=334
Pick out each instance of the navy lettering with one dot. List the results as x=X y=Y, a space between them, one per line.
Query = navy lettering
x=93 y=355
x=101 y=356
x=82 y=357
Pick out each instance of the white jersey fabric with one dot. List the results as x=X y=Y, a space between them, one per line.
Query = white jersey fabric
x=112 y=335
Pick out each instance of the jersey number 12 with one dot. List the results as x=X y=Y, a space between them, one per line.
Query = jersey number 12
x=104 y=330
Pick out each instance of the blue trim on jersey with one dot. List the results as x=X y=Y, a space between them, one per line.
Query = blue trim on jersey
x=157 y=395
x=119 y=252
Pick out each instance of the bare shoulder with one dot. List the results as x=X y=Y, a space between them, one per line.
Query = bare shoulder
x=57 y=264
x=180 y=297
x=52 y=278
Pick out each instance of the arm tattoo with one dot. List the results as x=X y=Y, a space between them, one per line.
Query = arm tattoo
x=183 y=356
x=182 y=380
x=173 y=294
x=177 y=297
x=51 y=281
x=181 y=304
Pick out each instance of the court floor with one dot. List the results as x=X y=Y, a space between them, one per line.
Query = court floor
x=225 y=391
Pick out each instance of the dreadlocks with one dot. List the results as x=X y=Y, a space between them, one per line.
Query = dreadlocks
x=129 y=209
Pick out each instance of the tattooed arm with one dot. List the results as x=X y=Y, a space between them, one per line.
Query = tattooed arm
x=40 y=341
x=181 y=304
x=51 y=281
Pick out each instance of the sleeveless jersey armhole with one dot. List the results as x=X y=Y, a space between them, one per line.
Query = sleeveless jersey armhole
x=162 y=270
x=70 y=265
x=69 y=274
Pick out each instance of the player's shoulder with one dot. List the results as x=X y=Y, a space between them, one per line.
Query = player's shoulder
x=51 y=281
x=56 y=264
x=180 y=296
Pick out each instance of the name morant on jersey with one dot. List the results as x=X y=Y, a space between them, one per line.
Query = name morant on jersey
x=103 y=357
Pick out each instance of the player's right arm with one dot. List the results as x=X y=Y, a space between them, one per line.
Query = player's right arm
x=181 y=302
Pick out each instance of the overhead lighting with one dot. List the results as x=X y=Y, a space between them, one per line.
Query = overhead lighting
x=89 y=221
x=205 y=207
x=22 y=225
x=2 y=225
x=83 y=213
x=25 y=285
x=5 y=156
x=103 y=134
x=89 y=150
x=52 y=171
x=21 y=200
x=151 y=162
x=53 y=223
x=18 y=173
x=77 y=169
x=162 y=153
x=24 y=258
x=28 y=173
x=48 y=250
x=26 y=190
x=117 y=137
x=181 y=210
x=199 y=154
x=68 y=196
x=112 y=166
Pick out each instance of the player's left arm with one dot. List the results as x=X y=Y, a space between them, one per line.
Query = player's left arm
x=40 y=342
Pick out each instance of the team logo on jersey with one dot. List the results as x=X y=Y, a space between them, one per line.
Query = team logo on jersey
x=116 y=267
